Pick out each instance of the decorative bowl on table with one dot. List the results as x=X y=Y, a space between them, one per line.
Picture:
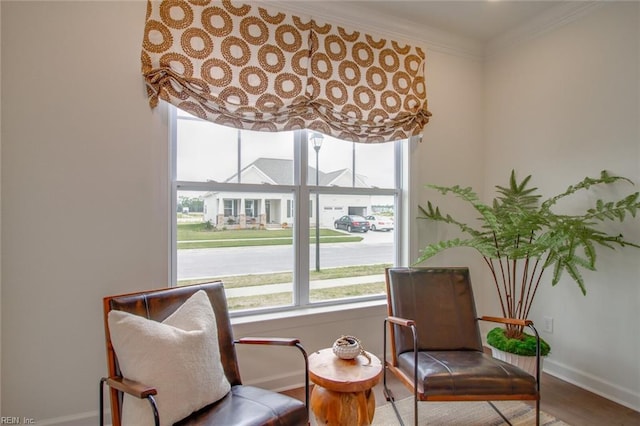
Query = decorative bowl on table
x=347 y=347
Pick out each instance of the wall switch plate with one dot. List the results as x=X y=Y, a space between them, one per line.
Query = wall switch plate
x=548 y=325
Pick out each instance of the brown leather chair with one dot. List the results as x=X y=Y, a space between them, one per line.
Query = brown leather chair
x=243 y=405
x=436 y=349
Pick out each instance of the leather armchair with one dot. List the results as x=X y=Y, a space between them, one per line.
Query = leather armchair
x=436 y=348
x=243 y=405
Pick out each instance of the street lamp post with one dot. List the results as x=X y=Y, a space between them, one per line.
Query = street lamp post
x=316 y=139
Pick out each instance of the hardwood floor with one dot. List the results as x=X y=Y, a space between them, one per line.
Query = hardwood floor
x=571 y=404
x=579 y=407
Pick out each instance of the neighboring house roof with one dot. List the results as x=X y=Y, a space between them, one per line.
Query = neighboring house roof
x=328 y=177
x=278 y=171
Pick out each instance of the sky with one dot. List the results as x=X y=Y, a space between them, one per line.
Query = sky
x=209 y=152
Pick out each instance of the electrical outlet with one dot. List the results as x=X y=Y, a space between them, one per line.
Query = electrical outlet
x=548 y=325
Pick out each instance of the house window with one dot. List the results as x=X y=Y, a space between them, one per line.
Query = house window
x=289 y=208
x=231 y=208
x=276 y=239
x=250 y=207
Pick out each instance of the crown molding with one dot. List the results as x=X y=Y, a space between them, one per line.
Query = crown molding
x=357 y=16
x=547 y=21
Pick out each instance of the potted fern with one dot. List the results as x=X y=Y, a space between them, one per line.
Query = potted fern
x=519 y=238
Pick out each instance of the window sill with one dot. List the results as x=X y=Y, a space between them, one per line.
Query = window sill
x=303 y=317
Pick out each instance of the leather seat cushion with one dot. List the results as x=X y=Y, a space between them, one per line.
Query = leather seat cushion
x=250 y=406
x=466 y=373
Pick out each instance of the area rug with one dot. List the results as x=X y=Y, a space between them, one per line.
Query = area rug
x=463 y=414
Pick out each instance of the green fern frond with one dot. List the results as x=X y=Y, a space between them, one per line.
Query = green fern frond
x=518 y=228
x=573 y=271
x=605 y=178
x=433 y=249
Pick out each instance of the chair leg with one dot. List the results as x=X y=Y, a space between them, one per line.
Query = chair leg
x=102 y=382
x=507 y=420
x=150 y=398
x=499 y=412
x=388 y=394
x=154 y=407
x=385 y=389
x=390 y=398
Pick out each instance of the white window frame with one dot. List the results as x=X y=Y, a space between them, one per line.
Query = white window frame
x=301 y=190
x=235 y=202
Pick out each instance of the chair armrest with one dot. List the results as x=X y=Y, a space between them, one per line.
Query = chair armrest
x=278 y=341
x=130 y=387
x=401 y=321
x=137 y=389
x=512 y=321
x=283 y=341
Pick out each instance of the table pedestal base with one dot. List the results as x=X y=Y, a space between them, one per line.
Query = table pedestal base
x=342 y=408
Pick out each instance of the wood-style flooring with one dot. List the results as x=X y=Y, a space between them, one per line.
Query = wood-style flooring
x=569 y=403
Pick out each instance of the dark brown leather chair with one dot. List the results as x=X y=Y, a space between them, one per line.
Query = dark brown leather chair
x=436 y=349
x=243 y=405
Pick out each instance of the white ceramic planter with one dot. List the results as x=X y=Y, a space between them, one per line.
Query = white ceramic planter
x=527 y=363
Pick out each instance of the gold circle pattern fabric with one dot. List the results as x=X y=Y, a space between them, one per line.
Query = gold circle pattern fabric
x=382 y=79
x=256 y=68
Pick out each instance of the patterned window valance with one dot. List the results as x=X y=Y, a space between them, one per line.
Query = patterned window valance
x=244 y=66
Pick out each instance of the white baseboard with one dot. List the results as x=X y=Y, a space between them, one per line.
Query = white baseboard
x=82 y=419
x=278 y=383
x=597 y=385
x=282 y=382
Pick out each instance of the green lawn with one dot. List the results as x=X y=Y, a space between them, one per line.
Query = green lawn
x=285 y=298
x=250 y=280
x=196 y=235
x=281 y=299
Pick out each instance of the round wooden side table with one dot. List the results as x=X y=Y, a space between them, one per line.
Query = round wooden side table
x=343 y=394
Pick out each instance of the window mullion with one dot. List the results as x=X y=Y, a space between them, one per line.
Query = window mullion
x=173 y=194
x=301 y=221
x=399 y=171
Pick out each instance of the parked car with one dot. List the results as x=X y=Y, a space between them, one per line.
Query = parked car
x=380 y=223
x=352 y=223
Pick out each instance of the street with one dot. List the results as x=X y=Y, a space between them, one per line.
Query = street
x=376 y=247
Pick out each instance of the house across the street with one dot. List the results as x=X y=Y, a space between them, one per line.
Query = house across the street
x=241 y=210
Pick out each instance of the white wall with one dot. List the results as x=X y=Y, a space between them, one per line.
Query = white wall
x=85 y=210
x=564 y=106
x=85 y=199
x=451 y=153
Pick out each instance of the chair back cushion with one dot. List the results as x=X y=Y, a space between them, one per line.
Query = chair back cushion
x=159 y=304
x=440 y=301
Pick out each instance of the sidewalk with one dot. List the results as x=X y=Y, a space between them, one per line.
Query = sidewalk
x=286 y=287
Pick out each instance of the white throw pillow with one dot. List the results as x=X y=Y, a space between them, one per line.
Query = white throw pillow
x=180 y=357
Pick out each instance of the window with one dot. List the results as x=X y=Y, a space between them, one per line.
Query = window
x=250 y=193
x=231 y=208
x=289 y=208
